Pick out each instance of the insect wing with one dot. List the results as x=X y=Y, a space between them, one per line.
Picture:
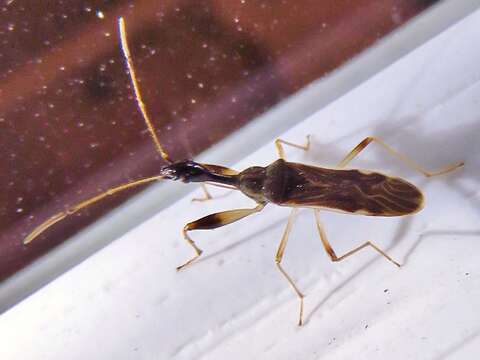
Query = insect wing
x=353 y=191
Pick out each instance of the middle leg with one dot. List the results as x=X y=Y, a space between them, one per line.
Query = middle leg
x=279 y=257
x=281 y=152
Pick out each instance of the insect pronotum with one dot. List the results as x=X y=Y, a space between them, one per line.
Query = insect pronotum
x=282 y=183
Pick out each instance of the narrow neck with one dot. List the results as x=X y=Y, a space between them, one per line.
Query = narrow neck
x=221 y=178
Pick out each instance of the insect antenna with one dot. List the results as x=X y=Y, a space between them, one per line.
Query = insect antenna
x=136 y=89
x=85 y=203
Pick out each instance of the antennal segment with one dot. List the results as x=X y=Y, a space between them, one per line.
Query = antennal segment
x=74 y=208
x=138 y=96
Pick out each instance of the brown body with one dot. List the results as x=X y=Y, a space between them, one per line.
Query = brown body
x=298 y=185
x=353 y=191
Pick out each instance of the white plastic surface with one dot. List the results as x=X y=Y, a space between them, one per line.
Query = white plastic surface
x=128 y=302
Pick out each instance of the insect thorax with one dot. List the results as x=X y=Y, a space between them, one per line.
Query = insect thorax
x=250 y=182
x=269 y=184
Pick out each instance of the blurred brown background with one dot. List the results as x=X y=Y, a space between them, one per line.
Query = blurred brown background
x=69 y=126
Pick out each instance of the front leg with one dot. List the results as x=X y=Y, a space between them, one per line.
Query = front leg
x=214 y=221
x=207 y=196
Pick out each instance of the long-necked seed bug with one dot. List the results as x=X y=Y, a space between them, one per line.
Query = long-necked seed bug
x=282 y=183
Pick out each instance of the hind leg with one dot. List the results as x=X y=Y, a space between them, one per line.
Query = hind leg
x=406 y=160
x=331 y=253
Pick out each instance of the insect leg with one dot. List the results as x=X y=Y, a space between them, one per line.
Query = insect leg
x=406 y=160
x=213 y=221
x=207 y=196
x=279 y=257
x=281 y=153
x=331 y=253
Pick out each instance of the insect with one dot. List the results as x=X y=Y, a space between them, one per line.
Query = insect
x=281 y=183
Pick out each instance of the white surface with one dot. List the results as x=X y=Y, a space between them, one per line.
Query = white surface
x=128 y=302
